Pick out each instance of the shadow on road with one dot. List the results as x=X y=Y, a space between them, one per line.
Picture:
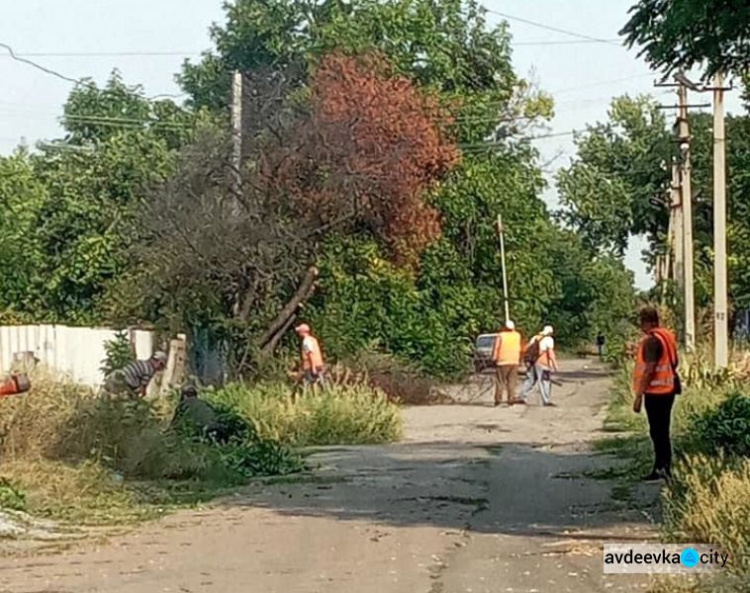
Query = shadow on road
x=514 y=488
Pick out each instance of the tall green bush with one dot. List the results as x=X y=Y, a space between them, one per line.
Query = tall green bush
x=726 y=427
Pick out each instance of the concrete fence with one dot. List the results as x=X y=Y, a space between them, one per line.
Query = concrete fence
x=74 y=351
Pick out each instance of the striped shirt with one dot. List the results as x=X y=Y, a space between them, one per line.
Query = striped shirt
x=138 y=374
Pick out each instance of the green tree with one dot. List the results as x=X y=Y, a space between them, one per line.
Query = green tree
x=22 y=196
x=456 y=292
x=617 y=184
x=93 y=114
x=621 y=166
x=73 y=202
x=682 y=34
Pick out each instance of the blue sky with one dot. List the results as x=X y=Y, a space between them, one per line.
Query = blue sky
x=583 y=78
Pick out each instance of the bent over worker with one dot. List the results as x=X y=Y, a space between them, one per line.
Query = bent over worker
x=656 y=383
x=507 y=358
x=313 y=367
x=133 y=379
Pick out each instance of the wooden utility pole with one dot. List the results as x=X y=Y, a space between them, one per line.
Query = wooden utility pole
x=236 y=139
x=686 y=196
x=677 y=245
x=500 y=232
x=721 y=333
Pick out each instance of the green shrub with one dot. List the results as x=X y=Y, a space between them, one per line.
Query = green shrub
x=337 y=415
x=10 y=497
x=119 y=353
x=725 y=428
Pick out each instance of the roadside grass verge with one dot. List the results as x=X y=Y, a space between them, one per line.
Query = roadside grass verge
x=70 y=455
x=708 y=500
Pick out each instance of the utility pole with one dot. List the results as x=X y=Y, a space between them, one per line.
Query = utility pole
x=500 y=232
x=721 y=333
x=677 y=245
x=687 y=212
x=682 y=201
x=236 y=139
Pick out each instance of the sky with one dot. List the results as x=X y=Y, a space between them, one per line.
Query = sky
x=147 y=40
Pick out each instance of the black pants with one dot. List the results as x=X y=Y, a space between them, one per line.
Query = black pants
x=659 y=412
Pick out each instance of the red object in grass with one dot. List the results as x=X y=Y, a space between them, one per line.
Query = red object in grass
x=14 y=385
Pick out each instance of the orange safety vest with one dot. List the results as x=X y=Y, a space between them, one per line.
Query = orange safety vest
x=664 y=380
x=312 y=360
x=508 y=348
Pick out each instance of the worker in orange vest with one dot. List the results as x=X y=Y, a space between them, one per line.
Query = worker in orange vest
x=313 y=367
x=507 y=358
x=656 y=383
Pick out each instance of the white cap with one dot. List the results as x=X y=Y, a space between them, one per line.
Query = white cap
x=160 y=356
x=510 y=325
x=548 y=330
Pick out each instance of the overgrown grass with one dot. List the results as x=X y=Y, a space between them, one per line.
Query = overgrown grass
x=710 y=502
x=708 y=499
x=352 y=414
x=80 y=457
x=69 y=454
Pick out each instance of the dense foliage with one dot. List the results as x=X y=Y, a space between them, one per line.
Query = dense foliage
x=726 y=427
x=618 y=186
x=383 y=140
x=682 y=34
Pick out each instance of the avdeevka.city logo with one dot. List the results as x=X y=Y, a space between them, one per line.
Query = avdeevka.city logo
x=648 y=558
x=690 y=557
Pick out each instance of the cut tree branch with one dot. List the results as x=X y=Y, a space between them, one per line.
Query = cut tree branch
x=273 y=343
x=301 y=295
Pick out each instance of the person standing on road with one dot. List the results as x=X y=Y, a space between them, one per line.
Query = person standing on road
x=541 y=361
x=507 y=357
x=600 y=341
x=656 y=382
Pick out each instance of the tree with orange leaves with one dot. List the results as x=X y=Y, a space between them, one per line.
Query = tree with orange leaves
x=377 y=145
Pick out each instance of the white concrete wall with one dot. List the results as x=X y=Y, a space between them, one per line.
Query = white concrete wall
x=75 y=351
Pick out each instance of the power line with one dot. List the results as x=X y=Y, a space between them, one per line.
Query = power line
x=562 y=42
x=600 y=83
x=491 y=143
x=194 y=53
x=33 y=64
x=19 y=58
x=105 y=54
x=510 y=17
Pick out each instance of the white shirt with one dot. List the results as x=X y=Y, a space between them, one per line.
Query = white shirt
x=546 y=343
x=308 y=344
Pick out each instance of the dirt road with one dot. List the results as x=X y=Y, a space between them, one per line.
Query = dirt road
x=475 y=500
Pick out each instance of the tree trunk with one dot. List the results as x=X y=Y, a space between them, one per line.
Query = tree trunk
x=273 y=343
x=281 y=323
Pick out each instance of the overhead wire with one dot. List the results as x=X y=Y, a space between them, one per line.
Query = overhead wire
x=13 y=55
x=554 y=29
x=560 y=42
x=99 y=120
x=106 y=54
x=196 y=53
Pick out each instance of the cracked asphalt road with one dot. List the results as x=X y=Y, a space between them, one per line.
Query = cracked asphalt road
x=475 y=499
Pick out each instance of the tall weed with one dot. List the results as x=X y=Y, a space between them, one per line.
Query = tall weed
x=337 y=415
x=72 y=449
x=709 y=502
